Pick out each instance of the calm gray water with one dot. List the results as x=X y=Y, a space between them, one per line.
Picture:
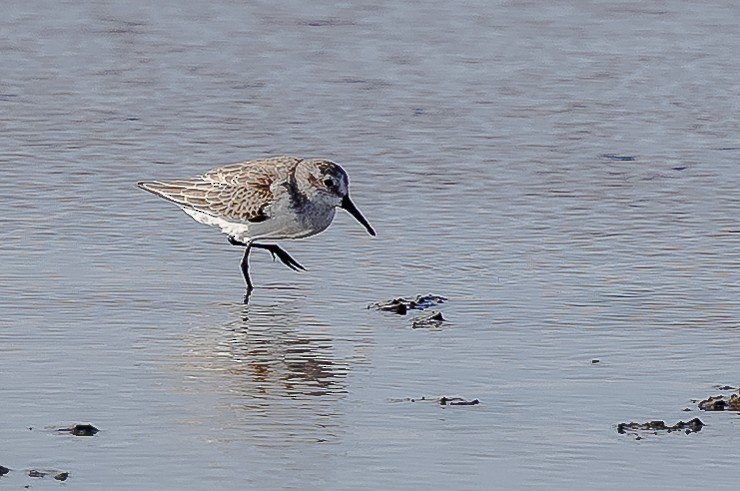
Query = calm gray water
x=566 y=174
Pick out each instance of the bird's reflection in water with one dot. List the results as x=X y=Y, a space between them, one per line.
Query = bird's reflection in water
x=274 y=369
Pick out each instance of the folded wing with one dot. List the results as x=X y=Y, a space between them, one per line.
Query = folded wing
x=244 y=202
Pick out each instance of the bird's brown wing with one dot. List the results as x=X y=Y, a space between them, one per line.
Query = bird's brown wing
x=238 y=192
x=251 y=171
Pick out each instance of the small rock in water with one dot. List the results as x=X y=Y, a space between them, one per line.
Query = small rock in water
x=35 y=473
x=433 y=319
x=397 y=306
x=80 y=430
x=721 y=403
x=3 y=470
x=62 y=476
x=595 y=361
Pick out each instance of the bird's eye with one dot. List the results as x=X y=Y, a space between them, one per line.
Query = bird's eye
x=329 y=182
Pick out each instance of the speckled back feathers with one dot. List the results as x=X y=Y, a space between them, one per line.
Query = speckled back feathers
x=238 y=192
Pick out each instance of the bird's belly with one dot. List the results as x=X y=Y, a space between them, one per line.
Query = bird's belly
x=284 y=226
x=237 y=230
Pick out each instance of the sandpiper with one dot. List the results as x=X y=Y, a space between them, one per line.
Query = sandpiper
x=273 y=199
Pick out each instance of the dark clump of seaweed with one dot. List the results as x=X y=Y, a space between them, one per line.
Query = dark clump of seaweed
x=656 y=427
x=433 y=319
x=402 y=305
x=721 y=403
x=80 y=430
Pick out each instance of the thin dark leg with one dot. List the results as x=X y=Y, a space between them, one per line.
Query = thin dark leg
x=275 y=250
x=234 y=241
x=245 y=269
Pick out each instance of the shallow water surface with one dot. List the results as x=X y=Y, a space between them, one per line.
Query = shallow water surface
x=566 y=175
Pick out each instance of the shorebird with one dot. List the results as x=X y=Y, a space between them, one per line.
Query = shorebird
x=272 y=199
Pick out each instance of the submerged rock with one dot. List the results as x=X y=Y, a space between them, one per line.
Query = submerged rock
x=657 y=426
x=80 y=430
x=401 y=306
x=721 y=403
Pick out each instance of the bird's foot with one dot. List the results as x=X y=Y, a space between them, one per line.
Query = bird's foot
x=236 y=242
x=281 y=254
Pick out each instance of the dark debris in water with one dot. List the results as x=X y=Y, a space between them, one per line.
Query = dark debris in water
x=329 y=22
x=59 y=476
x=656 y=427
x=617 y=158
x=457 y=401
x=721 y=403
x=3 y=470
x=442 y=401
x=401 y=306
x=430 y=320
x=80 y=430
x=725 y=387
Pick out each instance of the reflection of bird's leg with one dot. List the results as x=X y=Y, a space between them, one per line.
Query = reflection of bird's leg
x=281 y=254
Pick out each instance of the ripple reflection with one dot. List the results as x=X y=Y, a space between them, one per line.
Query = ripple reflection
x=273 y=371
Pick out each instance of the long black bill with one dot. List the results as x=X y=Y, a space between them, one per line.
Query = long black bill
x=348 y=205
